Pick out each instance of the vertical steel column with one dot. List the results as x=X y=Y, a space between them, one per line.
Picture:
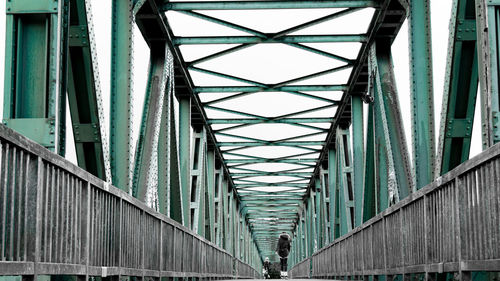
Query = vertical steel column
x=488 y=23
x=332 y=185
x=210 y=191
x=168 y=187
x=35 y=60
x=346 y=193
x=146 y=160
x=370 y=184
x=325 y=206
x=461 y=83
x=389 y=126
x=84 y=94
x=357 y=157
x=121 y=92
x=185 y=155
x=421 y=92
x=318 y=212
x=197 y=182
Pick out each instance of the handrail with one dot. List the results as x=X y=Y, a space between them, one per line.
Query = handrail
x=451 y=225
x=56 y=218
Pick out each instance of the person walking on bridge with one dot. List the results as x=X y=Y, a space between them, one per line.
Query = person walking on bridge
x=283 y=249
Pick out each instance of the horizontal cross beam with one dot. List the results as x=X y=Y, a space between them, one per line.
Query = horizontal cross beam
x=196 y=40
x=299 y=88
x=245 y=5
x=258 y=121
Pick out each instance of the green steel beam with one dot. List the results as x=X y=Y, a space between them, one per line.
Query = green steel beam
x=345 y=177
x=421 y=92
x=284 y=39
x=269 y=143
x=121 y=92
x=198 y=182
x=147 y=143
x=306 y=88
x=357 y=157
x=325 y=206
x=390 y=124
x=34 y=85
x=332 y=185
x=488 y=23
x=283 y=121
x=459 y=98
x=84 y=94
x=169 y=186
x=185 y=156
x=318 y=204
x=369 y=198
x=267 y=160
x=210 y=195
x=245 y=5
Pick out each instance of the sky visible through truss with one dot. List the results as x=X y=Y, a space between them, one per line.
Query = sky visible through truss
x=268 y=64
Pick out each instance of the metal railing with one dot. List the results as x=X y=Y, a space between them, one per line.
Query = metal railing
x=55 y=218
x=301 y=270
x=451 y=225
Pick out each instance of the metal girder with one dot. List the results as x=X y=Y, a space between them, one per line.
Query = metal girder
x=35 y=64
x=146 y=165
x=345 y=177
x=310 y=88
x=282 y=39
x=169 y=186
x=121 y=92
x=357 y=157
x=334 y=193
x=185 y=157
x=459 y=98
x=236 y=5
x=421 y=92
x=390 y=141
x=257 y=121
x=198 y=182
x=370 y=189
x=488 y=25
x=84 y=94
x=209 y=195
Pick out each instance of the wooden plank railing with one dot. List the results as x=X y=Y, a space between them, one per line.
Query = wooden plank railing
x=451 y=225
x=55 y=218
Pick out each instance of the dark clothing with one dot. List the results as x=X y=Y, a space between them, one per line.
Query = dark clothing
x=266 y=265
x=283 y=263
x=283 y=248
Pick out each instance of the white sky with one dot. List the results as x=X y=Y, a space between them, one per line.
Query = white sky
x=440 y=11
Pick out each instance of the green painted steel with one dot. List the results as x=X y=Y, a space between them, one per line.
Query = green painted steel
x=257 y=121
x=357 y=158
x=459 y=98
x=210 y=194
x=370 y=191
x=310 y=88
x=168 y=184
x=185 y=157
x=391 y=141
x=283 y=39
x=33 y=85
x=334 y=194
x=421 y=92
x=146 y=161
x=84 y=94
x=488 y=23
x=246 y=5
x=121 y=92
x=345 y=176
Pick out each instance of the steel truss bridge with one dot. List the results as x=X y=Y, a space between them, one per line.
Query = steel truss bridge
x=212 y=180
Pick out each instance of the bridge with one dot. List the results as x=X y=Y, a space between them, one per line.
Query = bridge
x=258 y=117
